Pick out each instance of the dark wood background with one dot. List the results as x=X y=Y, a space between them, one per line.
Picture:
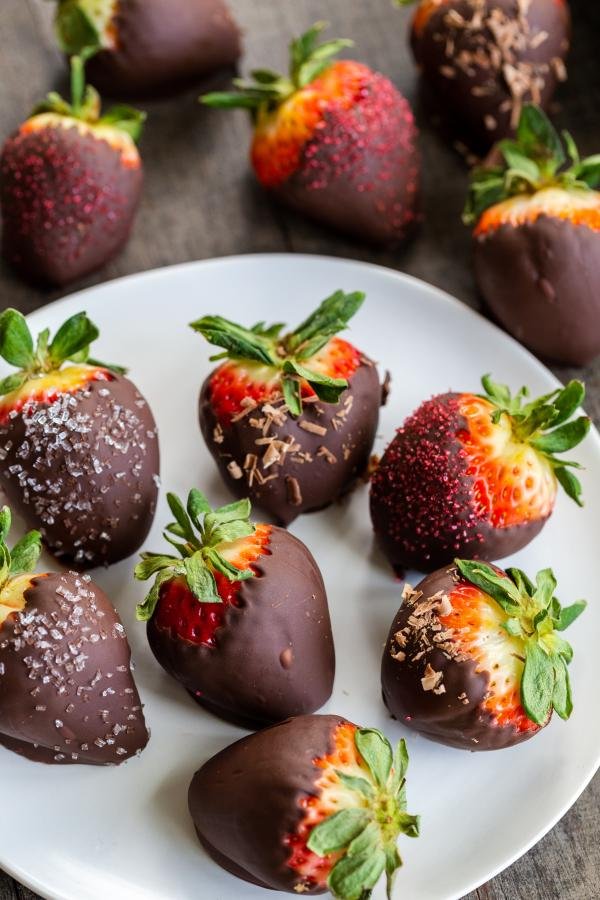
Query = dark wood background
x=200 y=201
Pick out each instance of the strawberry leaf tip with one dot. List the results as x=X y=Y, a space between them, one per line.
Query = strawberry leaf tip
x=200 y=535
x=71 y=343
x=534 y=616
x=267 y=89
x=290 y=353
x=546 y=424
x=537 y=158
x=23 y=556
x=366 y=833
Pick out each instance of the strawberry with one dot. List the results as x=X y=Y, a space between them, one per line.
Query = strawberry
x=537 y=215
x=291 y=419
x=314 y=803
x=480 y=60
x=148 y=46
x=67 y=694
x=475 y=475
x=475 y=659
x=333 y=140
x=70 y=183
x=78 y=444
x=241 y=617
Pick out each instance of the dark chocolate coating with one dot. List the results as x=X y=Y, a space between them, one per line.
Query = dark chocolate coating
x=84 y=471
x=67 y=694
x=551 y=301
x=274 y=655
x=165 y=45
x=466 y=95
x=68 y=202
x=320 y=482
x=442 y=717
x=245 y=800
x=422 y=505
x=360 y=173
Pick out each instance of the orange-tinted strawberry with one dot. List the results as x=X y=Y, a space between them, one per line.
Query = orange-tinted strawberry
x=480 y=60
x=241 y=619
x=538 y=217
x=474 y=475
x=475 y=659
x=313 y=804
x=290 y=419
x=70 y=182
x=79 y=452
x=334 y=140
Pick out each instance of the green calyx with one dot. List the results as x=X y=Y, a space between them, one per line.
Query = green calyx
x=367 y=833
x=546 y=424
x=200 y=534
x=23 y=556
x=71 y=343
x=535 y=617
x=81 y=25
x=267 y=90
x=538 y=158
x=290 y=353
x=85 y=106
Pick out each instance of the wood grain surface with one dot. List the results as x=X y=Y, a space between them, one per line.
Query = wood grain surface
x=200 y=201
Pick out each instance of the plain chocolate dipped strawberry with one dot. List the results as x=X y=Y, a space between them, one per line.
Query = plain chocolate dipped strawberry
x=240 y=618
x=475 y=658
x=70 y=183
x=475 y=475
x=481 y=60
x=79 y=452
x=291 y=419
x=67 y=694
x=536 y=215
x=333 y=140
x=143 y=47
x=313 y=804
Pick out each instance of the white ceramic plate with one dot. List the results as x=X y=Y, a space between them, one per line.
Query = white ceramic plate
x=89 y=834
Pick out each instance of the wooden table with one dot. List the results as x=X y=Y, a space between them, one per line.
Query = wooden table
x=200 y=201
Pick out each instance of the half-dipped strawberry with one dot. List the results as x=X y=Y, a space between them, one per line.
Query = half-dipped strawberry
x=148 y=46
x=291 y=419
x=475 y=475
x=67 y=694
x=538 y=217
x=333 y=140
x=241 y=617
x=313 y=804
x=78 y=444
x=70 y=183
x=475 y=658
x=480 y=60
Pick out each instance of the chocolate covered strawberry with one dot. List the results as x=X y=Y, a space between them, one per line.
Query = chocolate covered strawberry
x=481 y=60
x=536 y=215
x=313 y=804
x=70 y=183
x=475 y=656
x=148 y=46
x=67 y=694
x=240 y=618
x=333 y=140
x=475 y=475
x=78 y=444
x=290 y=419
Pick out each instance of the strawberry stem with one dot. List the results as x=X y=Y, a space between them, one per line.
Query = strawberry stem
x=23 y=556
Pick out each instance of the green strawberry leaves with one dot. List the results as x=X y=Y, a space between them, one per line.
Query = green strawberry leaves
x=24 y=555
x=538 y=158
x=71 y=343
x=534 y=616
x=544 y=424
x=76 y=31
x=290 y=353
x=200 y=535
x=366 y=833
